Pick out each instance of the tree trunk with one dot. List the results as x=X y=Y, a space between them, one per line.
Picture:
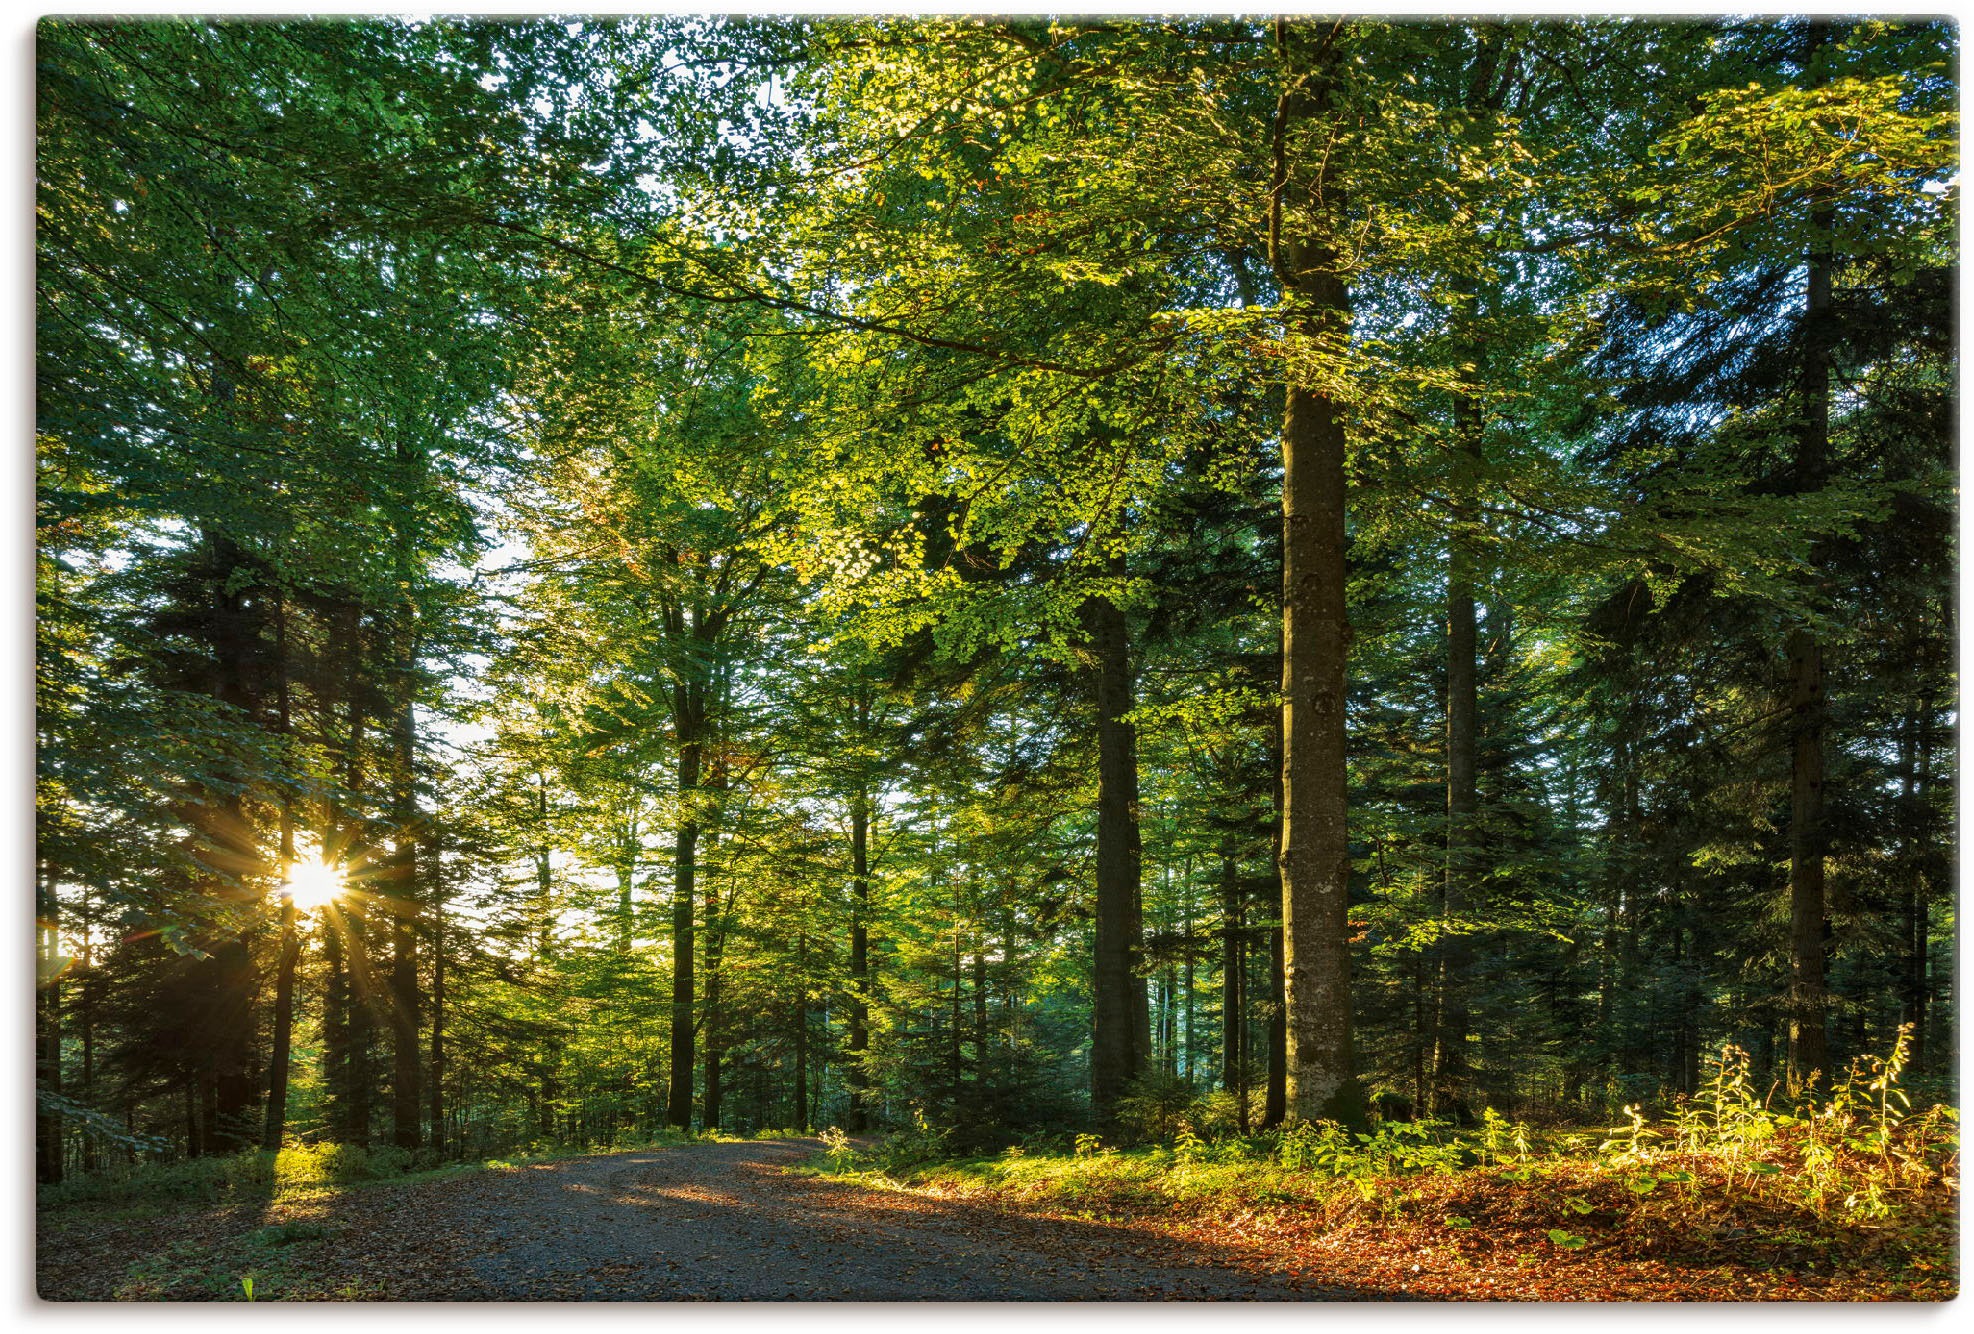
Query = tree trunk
x=407 y=1104
x=1808 y=1003
x=284 y=1015
x=1119 y=1017
x=438 y=1062
x=284 y=977
x=48 y=1029
x=859 y=1113
x=715 y=953
x=678 y=1108
x=1306 y=213
x=1450 y=1069
x=802 y=1032
x=1232 y=965
x=1275 y=1105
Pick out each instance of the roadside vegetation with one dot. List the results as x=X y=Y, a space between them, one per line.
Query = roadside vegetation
x=1735 y=1191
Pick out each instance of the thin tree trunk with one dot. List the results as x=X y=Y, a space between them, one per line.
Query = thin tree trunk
x=284 y=978
x=686 y=720
x=406 y=1101
x=1232 y=970
x=438 y=1062
x=1450 y=1069
x=859 y=1114
x=956 y=1069
x=48 y=1028
x=1119 y=1018
x=802 y=1032
x=1275 y=1107
x=284 y=1006
x=1808 y=1002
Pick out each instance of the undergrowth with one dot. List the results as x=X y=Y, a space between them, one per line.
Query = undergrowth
x=1727 y=1175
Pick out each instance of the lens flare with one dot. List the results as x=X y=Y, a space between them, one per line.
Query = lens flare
x=313 y=883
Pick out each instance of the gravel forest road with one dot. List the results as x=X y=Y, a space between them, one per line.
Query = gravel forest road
x=724 y=1222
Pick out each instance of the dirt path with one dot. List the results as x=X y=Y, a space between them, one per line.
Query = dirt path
x=723 y=1222
x=698 y=1222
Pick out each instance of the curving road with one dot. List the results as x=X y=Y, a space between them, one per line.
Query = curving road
x=723 y=1222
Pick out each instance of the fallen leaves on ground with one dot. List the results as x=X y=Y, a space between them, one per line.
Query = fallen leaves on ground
x=1571 y=1234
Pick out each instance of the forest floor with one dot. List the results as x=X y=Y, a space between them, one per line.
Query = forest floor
x=708 y=1221
x=770 y=1220
x=1559 y=1229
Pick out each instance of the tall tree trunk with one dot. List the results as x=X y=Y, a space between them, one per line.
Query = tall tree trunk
x=86 y=990
x=956 y=1068
x=1119 y=1019
x=1450 y=1067
x=859 y=1113
x=362 y=1018
x=336 y=1029
x=1305 y=214
x=407 y=1104
x=1924 y=858
x=802 y=1031
x=284 y=1006
x=715 y=953
x=1232 y=967
x=284 y=977
x=980 y=1044
x=1808 y=1002
x=1275 y=1104
x=48 y=1027
x=437 y=1114
x=715 y=1053
x=686 y=721
x=1275 y=1108
x=626 y=880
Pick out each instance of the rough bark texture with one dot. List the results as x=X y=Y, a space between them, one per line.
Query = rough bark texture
x=1120 y=1020
x=678 y=1105
x=1315 y=629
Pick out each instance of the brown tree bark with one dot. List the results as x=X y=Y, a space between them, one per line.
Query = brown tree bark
x=686 y=720
x=1120 y=1019
x=715 y=928
x=1305 y=214
x=1450 y=1065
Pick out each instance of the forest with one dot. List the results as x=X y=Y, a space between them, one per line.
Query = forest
x=979 y=580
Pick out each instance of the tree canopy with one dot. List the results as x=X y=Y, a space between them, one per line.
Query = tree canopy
x=1001 y=574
